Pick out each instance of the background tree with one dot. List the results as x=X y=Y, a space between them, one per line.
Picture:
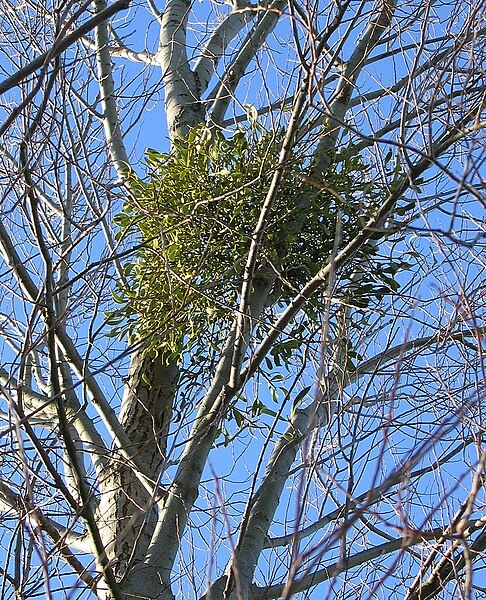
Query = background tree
x=243 y=324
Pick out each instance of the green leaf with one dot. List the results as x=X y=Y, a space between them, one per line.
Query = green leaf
x=238 y=417
x=252 y=114
x=301 y=395
x=118 y=298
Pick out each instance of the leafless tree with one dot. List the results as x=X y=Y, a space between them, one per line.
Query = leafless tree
x=299 y=412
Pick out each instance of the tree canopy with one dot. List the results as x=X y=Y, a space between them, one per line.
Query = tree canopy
x=242 y=308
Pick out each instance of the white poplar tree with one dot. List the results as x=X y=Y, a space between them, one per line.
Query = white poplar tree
x=242 y=308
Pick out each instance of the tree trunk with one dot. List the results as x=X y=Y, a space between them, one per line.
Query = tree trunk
x=127 y=510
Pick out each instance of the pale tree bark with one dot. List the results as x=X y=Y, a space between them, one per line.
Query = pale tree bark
x=324 y=434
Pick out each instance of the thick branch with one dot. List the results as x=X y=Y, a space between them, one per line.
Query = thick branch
x=224 y=91
x=184 y=491
x=111 y=119
x=182 y=97
x=218 y=42
x=340 y=104
x=266 y=500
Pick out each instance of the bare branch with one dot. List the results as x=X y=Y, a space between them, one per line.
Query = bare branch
x=63 y=45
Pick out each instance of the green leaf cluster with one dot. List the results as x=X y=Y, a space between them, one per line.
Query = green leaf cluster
x=195 y=214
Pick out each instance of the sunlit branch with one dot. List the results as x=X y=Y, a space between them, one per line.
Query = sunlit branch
x=452 y=562
x=180 y=498
x=333 y=570
x=42 y=413
x=121 y=50
x=111 y=119
x=244 y=318
x=155 y=10
x=14 y=502
x=78 y=364
x=305 y=532
x=266 y=499
x=396 y=478
x=339 y=105
x=218 y=42
x=222 y=94
x=182 y=99
x=443 y=336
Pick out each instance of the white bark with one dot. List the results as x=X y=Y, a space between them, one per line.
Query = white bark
x=111 y=120
x=223 y=92
x=183 y=493
x=128 y=511
x=340 y=103
x=266 y=499
x=182 y=96
x=215 y=47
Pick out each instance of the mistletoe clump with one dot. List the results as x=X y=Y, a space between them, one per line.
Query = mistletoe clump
x=194 y=216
